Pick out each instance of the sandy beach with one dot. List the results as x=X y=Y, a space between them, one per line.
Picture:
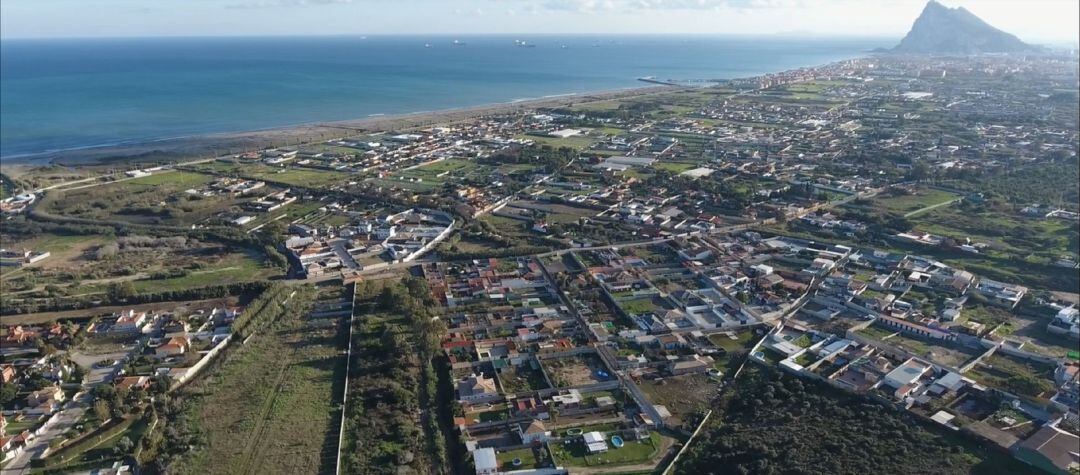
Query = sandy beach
x=212 y=145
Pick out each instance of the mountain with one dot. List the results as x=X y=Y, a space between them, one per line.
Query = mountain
x=943 y=30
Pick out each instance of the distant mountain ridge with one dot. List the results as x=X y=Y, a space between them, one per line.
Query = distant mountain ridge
x=943 y=30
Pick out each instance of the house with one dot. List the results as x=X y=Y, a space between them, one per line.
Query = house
x=1066 y=323
x=1050 y=449
x=570 y=399
x=476 y=389
x=670 y=341
x=689 y=366
x=485 y=462
x=7 y=373
x=134 y=383
x=176 y=345
x=533 y=433
x=129 y=322
x=49 y=395
x=905 y=377
x=1000 y=293
x=594 y=442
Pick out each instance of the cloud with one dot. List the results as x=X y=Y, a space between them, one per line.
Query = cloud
x=284 y=3
x=639 y=5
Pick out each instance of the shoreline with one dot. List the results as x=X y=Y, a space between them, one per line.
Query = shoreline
x=224 y=143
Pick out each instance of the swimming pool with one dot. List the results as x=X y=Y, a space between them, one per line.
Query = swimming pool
x=616 y=441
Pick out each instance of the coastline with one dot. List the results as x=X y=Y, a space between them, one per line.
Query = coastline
x=217 y=144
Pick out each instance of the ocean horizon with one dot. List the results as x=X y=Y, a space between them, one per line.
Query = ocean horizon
x=70 y=94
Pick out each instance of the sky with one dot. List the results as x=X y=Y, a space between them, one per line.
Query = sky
x=1037 y=21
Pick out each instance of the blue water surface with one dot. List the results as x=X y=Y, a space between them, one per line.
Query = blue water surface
x=75 y=93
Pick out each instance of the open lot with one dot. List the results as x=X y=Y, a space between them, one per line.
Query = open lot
x=90 y=264
x=251 y=408
x=577 y=370
x=681 y=395
x=287 y=175
x=153 y=199
x=920 y=198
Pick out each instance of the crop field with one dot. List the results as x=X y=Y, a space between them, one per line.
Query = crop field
x=270 y=405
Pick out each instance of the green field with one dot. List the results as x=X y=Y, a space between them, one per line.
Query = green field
x=288 y=175
x=271 y=405
x=154 y=199
x=676 y=167
x=907 y=203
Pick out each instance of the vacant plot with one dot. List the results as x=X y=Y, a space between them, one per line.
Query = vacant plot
x=87 y=265
x=577 y=370
x=901 y=202
x=1015 y=375
x=1008 y=235
x=681 y=395
x=522 y=378
x=288 y=175
x=270 y=406
x=550 y=212
x=154 y=199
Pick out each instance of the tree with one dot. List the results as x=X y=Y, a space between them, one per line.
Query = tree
x=122 y=290
x=8 y=392
x=101 y=410
x=124 y=446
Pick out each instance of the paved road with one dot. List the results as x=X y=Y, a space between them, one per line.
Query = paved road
x=72 y=411
x=67 y=418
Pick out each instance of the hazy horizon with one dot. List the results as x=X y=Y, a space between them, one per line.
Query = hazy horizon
x=1040 y=21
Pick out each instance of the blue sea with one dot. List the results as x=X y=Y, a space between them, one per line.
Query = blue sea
x=78 y=93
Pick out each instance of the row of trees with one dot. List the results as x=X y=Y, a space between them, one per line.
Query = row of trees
x=390 y=421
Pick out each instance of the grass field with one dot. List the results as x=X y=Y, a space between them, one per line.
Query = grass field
x=63 y=250
x=907 y=203
x=154 y=199
x=270 y=406
x=236 y=267
x=676 y=167
x=290 y=175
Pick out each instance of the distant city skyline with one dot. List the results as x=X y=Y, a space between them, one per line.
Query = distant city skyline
x=1038 y=21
